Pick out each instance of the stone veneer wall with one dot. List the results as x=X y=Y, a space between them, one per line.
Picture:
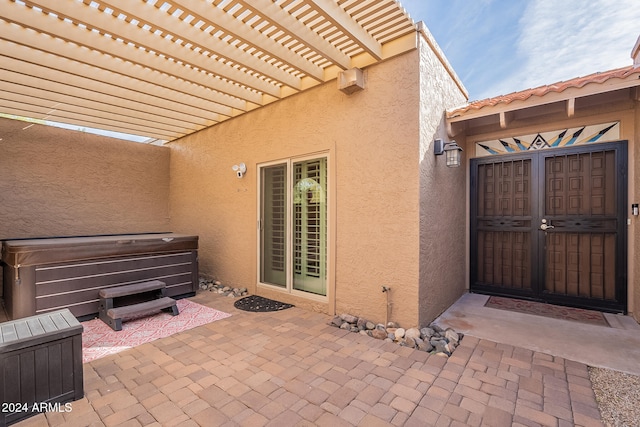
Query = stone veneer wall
x=443 y=221
x=58 y=182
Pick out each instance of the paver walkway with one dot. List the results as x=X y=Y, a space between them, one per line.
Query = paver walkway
x=290 y=368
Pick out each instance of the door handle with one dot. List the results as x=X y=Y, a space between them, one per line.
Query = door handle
x=544 y=226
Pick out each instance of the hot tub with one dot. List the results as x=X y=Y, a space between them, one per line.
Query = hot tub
x=42 y=275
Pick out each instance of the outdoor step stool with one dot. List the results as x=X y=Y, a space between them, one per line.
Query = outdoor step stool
x=113 y=315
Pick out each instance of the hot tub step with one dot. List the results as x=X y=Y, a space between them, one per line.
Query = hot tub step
x=115 y=315
x=136 y=288
x=116 y=303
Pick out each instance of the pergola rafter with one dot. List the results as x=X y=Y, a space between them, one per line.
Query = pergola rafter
x=165 y=69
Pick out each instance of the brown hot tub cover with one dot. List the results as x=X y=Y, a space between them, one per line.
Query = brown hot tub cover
x=64 y=249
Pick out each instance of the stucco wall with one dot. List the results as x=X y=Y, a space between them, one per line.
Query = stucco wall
x=442 y=190
x=372 y=141
x=57 y=182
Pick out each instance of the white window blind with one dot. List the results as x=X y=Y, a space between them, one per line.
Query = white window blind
x=274 y=223
x=310 y=226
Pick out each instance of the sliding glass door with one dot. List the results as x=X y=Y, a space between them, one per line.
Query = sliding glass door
x=293 y=225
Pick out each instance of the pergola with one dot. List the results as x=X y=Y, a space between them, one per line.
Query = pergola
x=165 y=69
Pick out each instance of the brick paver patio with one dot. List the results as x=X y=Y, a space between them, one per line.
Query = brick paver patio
x=290 y=368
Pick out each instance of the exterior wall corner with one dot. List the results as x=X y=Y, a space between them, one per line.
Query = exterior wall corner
x=442 y=190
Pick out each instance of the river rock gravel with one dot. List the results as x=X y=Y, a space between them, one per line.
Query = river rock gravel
x=618 y=396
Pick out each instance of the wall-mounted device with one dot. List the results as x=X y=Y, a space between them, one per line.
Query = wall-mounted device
x=351 y=80
x=239 y=169
x=634 y=209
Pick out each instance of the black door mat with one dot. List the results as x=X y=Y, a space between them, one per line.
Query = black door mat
x=258 y=303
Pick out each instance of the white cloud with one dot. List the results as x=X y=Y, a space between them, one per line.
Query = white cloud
x=564 y=39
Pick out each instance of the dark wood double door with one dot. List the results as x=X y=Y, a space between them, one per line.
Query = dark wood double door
x=550 y=225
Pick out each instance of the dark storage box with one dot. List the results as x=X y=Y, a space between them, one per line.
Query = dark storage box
x=40 y=365
x=42 y=275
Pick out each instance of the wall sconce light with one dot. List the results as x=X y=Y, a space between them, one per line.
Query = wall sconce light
x=451 y=150
x=240 y=169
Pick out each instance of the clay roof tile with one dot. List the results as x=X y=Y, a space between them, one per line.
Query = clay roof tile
x=578 y=82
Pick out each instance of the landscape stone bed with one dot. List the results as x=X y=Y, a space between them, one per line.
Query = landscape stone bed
x=432 y=339
x=219 y=288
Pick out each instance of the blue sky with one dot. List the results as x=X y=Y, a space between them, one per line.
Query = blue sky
x=502 y=46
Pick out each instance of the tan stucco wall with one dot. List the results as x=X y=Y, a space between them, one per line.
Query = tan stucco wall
x=442 y=192
x=57 y=182
x=372 y=141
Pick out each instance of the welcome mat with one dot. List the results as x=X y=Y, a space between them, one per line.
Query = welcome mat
x=548 y=310
x=257 y=303
x=99 y=340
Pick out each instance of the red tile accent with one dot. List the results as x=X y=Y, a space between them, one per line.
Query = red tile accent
x=578 y=82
